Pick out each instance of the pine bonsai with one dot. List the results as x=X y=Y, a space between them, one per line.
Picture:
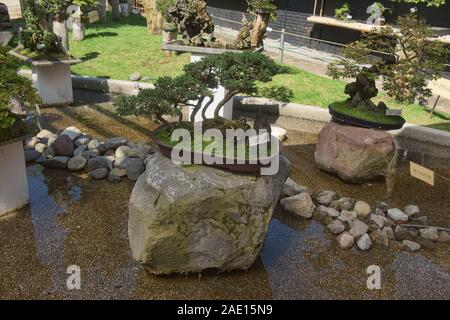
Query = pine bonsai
x=237 y=72
x=405 y=59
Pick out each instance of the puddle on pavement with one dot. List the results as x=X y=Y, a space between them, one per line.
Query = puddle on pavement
x=73 y=221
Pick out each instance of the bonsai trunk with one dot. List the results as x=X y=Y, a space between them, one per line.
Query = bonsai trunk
x=196 y=108
x=259 y=29
x=211 y=100
x=227 y=97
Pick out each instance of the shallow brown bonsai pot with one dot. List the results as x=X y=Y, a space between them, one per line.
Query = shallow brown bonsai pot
x=364 y=123
x=247 y=167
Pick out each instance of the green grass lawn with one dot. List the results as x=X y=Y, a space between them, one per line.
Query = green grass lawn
x=116 y=49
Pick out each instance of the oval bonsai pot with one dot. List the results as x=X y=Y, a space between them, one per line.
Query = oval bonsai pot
x=395 y=123
x=247 y=167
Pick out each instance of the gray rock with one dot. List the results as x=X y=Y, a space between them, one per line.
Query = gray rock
x=88 y=154
x=379 y=212
x=443 y=237
x=346 y=240
x=99 y=174
x=101 y=148
x=79 y=150
x=63 y=146
x=109 y=161
x=121 y=163
x=134 y=168
x=119 y=172
x=429 y=233
x=72 y=132
x=114 y=143
x=45 y=135
x=40 y=147
x=82 y=140
x=76 y=163
x=325 y=197
x=31 y=155
x=123 y=151
x=347 y=216
x=336 y=227
x=30 y=144
x=55 y=162
x=388 y=232
x=412 y=210
x=402 y=233
x=379 y=220
x=397 y=215
x=411 y=245
x=362 y=209
x=383 y=206
x=93 y=144
x=291 y=188
x=333 y=212
x=300 y=205
x=421 y=220
x=136 y=76
x=358 y=228
x=114 y=178
x=364 y=242
x=346 y=203
x=96 y=163
x=227 y=235
x=144 y=149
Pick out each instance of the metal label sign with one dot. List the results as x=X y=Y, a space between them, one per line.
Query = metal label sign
x=394 y=112
x=440 y=87
x=421 y=173
x=93 y=16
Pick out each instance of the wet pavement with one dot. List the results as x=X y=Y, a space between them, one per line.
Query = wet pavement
x=74 y=221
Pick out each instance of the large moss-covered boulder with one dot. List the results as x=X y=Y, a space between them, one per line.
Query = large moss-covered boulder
x=190 y=218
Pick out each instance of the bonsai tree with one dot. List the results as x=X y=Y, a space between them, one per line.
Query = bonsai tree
x=405 y=59
x=237 y=72
x=194 y=22
x=343 y=12
x=12 y=86
x=252 y=32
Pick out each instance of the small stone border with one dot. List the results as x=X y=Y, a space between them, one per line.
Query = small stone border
x=71 y=149
x=356 y=224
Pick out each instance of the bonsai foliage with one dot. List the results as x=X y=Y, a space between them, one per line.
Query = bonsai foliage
x=251 y=34
x=163 y=7
x=12 y=85
x=237 y=72
x=429 y=3
x=342 y=12
x=405 y=59
x=194 y=21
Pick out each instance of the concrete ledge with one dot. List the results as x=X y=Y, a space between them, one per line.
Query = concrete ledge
x=410 y=131
x=101 y=84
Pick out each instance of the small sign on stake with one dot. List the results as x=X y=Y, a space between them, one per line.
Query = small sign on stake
x=421 y=173
x=393 y=112
x=93 y=16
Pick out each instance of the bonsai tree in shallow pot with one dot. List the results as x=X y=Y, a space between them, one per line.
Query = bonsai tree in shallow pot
x=237 y=72
x=405 y=59
x=13 y=178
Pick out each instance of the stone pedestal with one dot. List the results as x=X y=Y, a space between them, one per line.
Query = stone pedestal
x=60 y=29
x=13 y=177
x=355 y=154
x=79 y=30
x=53 y=82
x=191 y=218
x=124 y=10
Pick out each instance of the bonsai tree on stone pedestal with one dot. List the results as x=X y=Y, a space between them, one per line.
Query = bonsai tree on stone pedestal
x=252 y=32
x=405 y=59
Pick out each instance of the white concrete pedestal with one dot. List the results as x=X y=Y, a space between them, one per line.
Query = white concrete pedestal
x=219 y=93
x=54 y=83
x=13 y=178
